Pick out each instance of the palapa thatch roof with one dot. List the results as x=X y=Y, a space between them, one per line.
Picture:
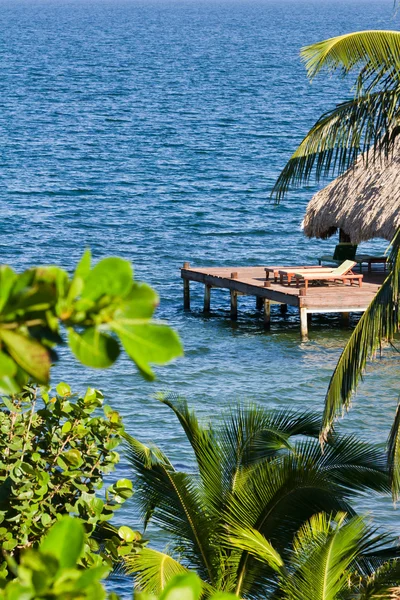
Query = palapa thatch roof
x=364 y=202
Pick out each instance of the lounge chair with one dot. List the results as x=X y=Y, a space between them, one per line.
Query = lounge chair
x=342 y=273
x=289 y=272
x=276 y=270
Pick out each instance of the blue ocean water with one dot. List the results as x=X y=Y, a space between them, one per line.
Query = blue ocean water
x=155 y=131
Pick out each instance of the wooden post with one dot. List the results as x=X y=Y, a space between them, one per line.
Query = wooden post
x=207 y=298
x=283 y=308
x=303 y=324
x=267 y=314
x=186 y=294
x=234 y=311
x=186 y=289
x=259 y=302
x=346 y=319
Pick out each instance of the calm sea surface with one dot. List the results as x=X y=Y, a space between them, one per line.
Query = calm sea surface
x=155 y=131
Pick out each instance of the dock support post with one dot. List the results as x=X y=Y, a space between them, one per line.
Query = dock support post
x=186 y=289
x=207 y=298
x=234 y=312
x=283 y=309
x=346 y=319
x=267 y=314
x=303 y=324
x=259 y=302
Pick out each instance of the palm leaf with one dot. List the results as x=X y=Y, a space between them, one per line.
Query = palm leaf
x=324 y=550
x=252 y=541
x=375 y=49
x=369 y=120
x=152 y=570
x=393 y=448
x=379 y=322
x=382 y=584
x=353 y=465
x=336 y=140
x=172 y=500
x=252 y=435
x=205 y=447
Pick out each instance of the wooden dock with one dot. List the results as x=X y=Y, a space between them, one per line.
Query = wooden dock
x=252 y=281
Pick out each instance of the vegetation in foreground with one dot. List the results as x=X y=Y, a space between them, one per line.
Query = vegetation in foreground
x=265 y=514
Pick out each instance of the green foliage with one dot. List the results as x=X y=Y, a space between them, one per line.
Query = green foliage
x=379 y=322
x=53 y=571
x=54 y=453
x=369 y=120
x=101 y=308
x=186 y=586
x=260 y=470
x=331 y=558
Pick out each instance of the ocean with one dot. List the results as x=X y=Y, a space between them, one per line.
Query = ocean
x=155 y=131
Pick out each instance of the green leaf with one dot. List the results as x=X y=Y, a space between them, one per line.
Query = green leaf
x=140 y=303
x=153 y=570
x=81 y=272
x=183 y=587
x=7 y=279
x=127 y=534
x=150 y=343
x=64 y=542
x=74 y=457
x=8 y=368
x=94 y=348
x=63 y=389
x=111 y=276
x=28 y=353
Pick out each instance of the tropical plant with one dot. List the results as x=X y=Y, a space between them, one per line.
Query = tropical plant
x=332 y=558
x=99 y=307
x=261 y=470
x=55 y=450
x=53 y=570
x=379 y=323
x=369 y=120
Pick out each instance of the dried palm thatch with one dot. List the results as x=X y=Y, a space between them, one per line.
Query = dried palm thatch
x=364 y=202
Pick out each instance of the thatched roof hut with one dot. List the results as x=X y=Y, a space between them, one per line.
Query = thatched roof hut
x=363 y=202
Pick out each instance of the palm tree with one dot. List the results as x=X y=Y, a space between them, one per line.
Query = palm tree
x=369 y=124
x=261 y=470
x=368 y=121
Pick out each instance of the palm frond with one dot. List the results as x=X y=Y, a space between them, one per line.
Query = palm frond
x=252 y=435
x=379 y=322
x=337 y=139
x=252 y=541
x=383 y=583
x=374 y=49
x=205 y=447
x=172 y=500
x=324 y=550
x=354 y=465
x=152 y=569
x=275 y=498
x=393 y=453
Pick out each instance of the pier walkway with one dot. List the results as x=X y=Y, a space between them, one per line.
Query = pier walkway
x=252 y=281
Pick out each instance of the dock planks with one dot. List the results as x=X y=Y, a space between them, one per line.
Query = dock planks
x=251 y=281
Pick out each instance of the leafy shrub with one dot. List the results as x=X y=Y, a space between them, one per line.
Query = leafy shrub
x=54 y=453
x=54 y=571
x=101 y=308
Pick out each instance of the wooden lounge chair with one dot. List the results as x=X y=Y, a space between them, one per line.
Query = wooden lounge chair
x=342 y=273
x=276 y=270
x=289 y=272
